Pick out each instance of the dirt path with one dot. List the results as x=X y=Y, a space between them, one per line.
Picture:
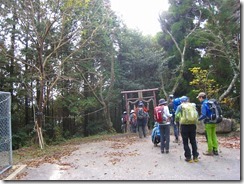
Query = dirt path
x=131 y=158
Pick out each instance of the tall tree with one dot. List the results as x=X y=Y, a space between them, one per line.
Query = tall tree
x=94 y=65
x=178 y=24
x=221 y=42
x=51 y=25
x=138 y=60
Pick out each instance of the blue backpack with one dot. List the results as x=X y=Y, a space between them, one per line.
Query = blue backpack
x=155 y=134
x=176 y=103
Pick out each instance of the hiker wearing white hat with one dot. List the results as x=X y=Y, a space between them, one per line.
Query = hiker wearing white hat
x=133 y=121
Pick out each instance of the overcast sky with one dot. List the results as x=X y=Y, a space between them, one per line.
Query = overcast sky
x=140 y=14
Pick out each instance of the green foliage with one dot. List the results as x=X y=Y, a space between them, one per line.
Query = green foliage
x=21 y=139
x=58 y=134
x=203 y=82
x=138 y=61
x=95 y=127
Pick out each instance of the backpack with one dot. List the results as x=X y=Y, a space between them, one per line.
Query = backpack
x=155 y=134
x=215 y=111
x=124 y=118
x=189 y=113
x=176 y=103
x=133 y=119
x=140 y=113
x=159 y=114
x=171 y=107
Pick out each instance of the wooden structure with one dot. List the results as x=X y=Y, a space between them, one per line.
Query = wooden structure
x=145 y=95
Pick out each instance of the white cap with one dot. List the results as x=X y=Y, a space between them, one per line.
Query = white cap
x=201 y=94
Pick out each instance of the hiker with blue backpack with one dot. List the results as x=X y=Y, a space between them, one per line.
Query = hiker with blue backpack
x=187 y=115
x=210 y=127
x=173 y=104
x=155 y=135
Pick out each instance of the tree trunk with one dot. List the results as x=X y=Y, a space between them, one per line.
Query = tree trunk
x=109 y=124
x=228 y=90
x=86 y=95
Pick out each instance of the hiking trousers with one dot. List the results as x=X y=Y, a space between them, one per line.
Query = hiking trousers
x=141 y=128
x=164 y=136
x=211 y=137
x=188 y=132
x=175 y=126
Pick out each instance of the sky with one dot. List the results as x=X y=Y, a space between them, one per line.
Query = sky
x=140 y=14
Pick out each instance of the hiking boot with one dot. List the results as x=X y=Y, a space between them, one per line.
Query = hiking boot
x=215 y=152
x=189 y=160
x=167 y=151
x=162 y=151
x=207 y=153
x=195 y=159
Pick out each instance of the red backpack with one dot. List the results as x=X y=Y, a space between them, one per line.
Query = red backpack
x=158 y=114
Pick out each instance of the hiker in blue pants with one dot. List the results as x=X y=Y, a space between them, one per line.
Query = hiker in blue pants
x=173 y=104
x=164 y=126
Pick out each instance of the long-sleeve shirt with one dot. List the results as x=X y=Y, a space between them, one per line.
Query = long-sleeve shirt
x=204 y=111
x=167 y=114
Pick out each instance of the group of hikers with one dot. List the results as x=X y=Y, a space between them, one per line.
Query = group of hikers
x=138 y=120
x=183 y=116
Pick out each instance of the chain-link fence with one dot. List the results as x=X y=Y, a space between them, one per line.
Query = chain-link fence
x=5 y=132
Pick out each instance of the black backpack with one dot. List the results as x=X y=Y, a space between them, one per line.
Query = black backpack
x=215 y=111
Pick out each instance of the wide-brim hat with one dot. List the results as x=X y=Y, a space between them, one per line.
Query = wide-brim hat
x=162 y=102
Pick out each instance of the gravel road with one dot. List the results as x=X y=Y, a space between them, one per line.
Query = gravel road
x=129 y=158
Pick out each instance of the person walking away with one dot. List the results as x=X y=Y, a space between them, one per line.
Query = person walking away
x=162 y=117
x=133 y=121
x=141 y=119
x=172 y=109
x=124 y=120
x=210 y=128
x=187 y=115
x=146 y=110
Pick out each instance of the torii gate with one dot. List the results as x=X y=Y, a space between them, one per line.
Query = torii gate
x=140 y=97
